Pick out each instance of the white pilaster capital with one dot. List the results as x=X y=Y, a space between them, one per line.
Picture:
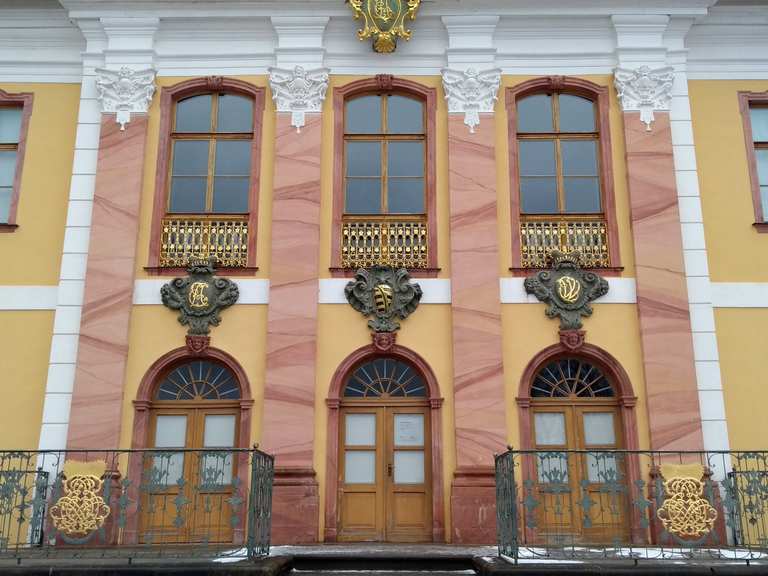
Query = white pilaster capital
x=645 y=90
x=471 y=92
x=125 y=92
x=298 y=91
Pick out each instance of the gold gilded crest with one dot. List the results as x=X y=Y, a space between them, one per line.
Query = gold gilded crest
x=384 y=21
x=197 y=295
x=568 y=288
x=685 y=511
x=382 y=296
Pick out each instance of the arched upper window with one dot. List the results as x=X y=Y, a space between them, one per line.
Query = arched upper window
x=561 y=174
x=384 y=198
x=385 y=378
x=570 y=378
x=199 y=380
x=207 y=180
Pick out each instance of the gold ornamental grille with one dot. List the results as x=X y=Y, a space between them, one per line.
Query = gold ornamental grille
x=539 y=237
x=200 y=238
x=400 y=244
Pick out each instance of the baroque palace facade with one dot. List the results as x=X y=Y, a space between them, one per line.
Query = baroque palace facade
x=615 y=154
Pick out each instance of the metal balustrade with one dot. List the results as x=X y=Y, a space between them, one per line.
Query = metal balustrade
x=589 y=236
x=620 y=504
x=400 y=244
x=200 y=238
x=135 y=503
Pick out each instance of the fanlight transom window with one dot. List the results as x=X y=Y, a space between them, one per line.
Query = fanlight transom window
x=569 y=378
x=385 y=378
x=199 y=380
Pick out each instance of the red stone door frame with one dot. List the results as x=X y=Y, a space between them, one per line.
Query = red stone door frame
x=625 y=399
x=334 y=400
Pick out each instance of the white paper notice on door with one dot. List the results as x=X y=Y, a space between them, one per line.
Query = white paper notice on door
x=409 y=429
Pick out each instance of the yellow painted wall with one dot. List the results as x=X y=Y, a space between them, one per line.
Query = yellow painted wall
x=741 y=344
x=25 y=342
x=734 y=246
x=32 y=254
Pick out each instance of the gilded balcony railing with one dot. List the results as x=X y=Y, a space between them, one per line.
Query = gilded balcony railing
x=396 y=243
x=538 y=237
x=196 y=237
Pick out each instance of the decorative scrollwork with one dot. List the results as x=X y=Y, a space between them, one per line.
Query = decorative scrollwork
x=81 y=511
x=384 y=293
x=685 y=512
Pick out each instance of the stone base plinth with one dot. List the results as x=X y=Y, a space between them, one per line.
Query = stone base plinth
x=473 y=506
x=295 y=506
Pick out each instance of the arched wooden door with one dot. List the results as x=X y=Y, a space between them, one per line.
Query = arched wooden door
x=580 y=488
x=188 y=479
x=385 y=473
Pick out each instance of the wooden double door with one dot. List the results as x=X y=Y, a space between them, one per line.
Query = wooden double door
x=385 y=480
x=581 y=489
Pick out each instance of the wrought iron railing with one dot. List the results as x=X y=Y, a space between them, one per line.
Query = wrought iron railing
x=592 y=504
x=589 y=236
x=200 y=238
x=136 y=502
x=396 y=243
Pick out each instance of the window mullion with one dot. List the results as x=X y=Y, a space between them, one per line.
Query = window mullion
x=384 y=156
x=212 y=153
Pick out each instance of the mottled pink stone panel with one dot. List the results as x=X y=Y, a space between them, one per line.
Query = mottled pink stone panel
x=477 y=349
x=103 y=346
x=662 y=297
x=289 y=396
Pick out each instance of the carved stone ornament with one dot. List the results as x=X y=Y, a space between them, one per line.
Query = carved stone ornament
x=125 y=92
x=567 y=289
x=645 y=90
x=298 y=91
x=384 y=293
x=199 y=298
x=471 y=93
x=384 y=21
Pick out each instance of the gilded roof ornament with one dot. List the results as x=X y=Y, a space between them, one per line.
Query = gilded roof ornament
x=384 y=21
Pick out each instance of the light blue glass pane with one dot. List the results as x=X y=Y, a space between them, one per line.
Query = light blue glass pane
x=762 y=166
x=405 y=115
x=764 y=196
x=579 y=157
x=190 y=158
x=5 y=203
x=363 y=158
x=363 y=196
x=235 y=114
x=7 y=167
x=406 y=196
x=233 y=158
x=577 y=114
x=537 y=158
x=363 y=115
x=194 y=114
x=230 y=195
x=759 y=117
x=538 y=195
x=582 y=195
x=187 y=195
x=10 y=125
x=405 y=158
x=534 y=114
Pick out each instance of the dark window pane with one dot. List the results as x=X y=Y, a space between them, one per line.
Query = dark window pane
x=363 y=196
x=405 y=158
x=577 y=114
x=5 y=203
x=363 y=115
x=534 y=114
x=764 y=197
x=187 y=195
x=579 y=157
x=235 y=114
x=363 y=158
x=406 y=196
x=10 y=125
x=762 y=166
x=7 y=167
x=537 y=158
x=582 y=195
x=194 y=114
x=233 y=158
x=230 y=195
x=759 y=117
x=538 y=196
x=190 y=158
x=405 y=115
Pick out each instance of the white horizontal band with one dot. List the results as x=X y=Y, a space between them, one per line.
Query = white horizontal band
x=252 y=291
x=620 y=291
x=740 y=294
x=28 y=297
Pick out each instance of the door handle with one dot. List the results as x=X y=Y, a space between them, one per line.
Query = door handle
x=389 y=470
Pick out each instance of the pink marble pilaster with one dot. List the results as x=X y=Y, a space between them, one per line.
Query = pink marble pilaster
x=477 y=333
x=289 y=396
x=103 y=344
x=662 y=296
